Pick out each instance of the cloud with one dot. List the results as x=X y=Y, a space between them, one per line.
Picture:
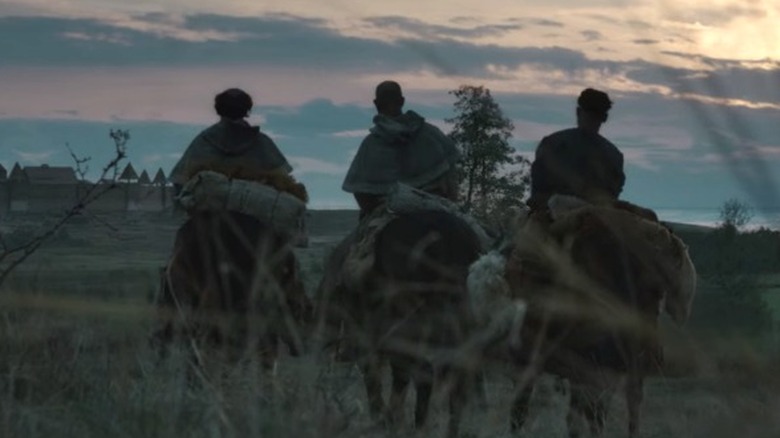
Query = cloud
x=307 y=165
x=27 y=157
x=157 y=158
x=71 y=113
x=112 y=38
x=319 y=116
x=421 y=29
x=302 y=44
x=352 y=133
x=547 y=22
x=732 y=83
x=717 y=16
x=592 y=35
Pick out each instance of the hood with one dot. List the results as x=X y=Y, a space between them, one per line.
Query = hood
x=232 y=137
x=397 y=130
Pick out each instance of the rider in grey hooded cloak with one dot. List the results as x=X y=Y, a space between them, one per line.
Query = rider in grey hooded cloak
x=401 y=147
x=232 y=143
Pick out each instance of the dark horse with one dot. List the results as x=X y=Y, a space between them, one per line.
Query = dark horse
x=412 y=312
x=592 y=311
x=232 y=282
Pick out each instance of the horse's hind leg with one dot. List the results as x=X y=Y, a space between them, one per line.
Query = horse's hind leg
x=458 y=397
x=268 y=351
x=588 y=406
x=401 y=378
x=634 y=395
x=480 y=390
x=372 y=378
x=520 y=405
x=423 y=384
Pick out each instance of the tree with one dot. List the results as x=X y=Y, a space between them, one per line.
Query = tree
x=493 y=177
x=735 y=214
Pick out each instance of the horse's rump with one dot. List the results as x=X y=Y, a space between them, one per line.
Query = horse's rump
x=229 y=266
x=426 y=246
x=420 y=269
x=595 y=276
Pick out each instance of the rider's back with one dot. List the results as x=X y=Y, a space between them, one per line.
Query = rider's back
x=233 y=148
x=577 y=162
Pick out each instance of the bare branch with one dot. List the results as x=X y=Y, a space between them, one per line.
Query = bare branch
x=81 y=163
x=17 y=255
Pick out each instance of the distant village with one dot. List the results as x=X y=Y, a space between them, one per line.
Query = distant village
x=55 y=189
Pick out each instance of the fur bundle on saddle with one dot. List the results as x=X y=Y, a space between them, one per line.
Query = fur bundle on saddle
x=659 y=260
x=280 y=180
x=543 y=254
x=273 y=197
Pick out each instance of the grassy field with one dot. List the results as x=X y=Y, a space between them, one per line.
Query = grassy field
x=74 y=361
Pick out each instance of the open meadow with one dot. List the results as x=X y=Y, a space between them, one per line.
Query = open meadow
x=74 y=359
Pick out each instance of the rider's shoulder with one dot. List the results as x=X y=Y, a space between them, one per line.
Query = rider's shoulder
x=557 y=138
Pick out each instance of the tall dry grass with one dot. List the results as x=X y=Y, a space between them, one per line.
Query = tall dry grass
x=82 y=368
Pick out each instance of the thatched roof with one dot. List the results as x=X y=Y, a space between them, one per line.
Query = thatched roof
x=17 y=173
x=46 y=174
x=144 y=178
x=128 y=174
x=159 y=178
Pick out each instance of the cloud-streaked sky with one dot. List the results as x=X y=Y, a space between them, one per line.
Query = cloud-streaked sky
x=696 y=84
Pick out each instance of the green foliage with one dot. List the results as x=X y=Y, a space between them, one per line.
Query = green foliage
x=493 y=176
x=724 y=252
x=730 y=265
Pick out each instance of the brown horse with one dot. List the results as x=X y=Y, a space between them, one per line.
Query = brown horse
x=232 y=282
x=412 y=312
x=594 y=281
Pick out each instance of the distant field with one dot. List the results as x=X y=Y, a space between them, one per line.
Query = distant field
x=771 y=293
x=74 y=360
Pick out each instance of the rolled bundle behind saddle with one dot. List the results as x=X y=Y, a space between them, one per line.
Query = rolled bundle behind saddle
x=404 y=198
x=210 y=190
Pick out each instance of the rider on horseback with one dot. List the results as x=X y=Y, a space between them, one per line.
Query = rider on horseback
x=400 y=148
x=244 y=209
x=595 y=270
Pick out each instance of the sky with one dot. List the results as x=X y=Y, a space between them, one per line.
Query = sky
x=695 y=84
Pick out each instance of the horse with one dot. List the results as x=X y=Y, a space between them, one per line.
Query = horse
x=594 y=281
x=412 y=312
x=232 y=283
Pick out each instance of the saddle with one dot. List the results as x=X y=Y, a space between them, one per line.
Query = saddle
x=402 y=199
